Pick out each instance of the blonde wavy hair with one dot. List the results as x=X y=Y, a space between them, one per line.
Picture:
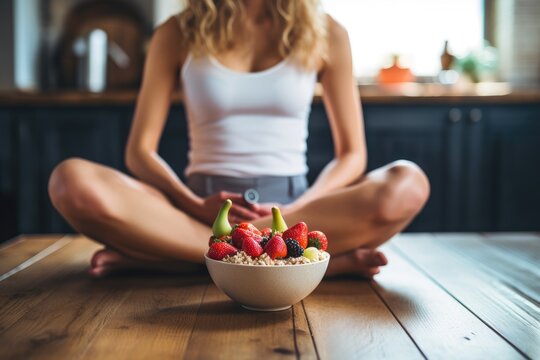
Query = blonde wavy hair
x=209 y=27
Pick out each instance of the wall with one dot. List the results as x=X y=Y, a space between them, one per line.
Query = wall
x=7 y=50
x=526 y=47
x=27 y=43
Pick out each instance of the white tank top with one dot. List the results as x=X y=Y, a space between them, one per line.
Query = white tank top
x=247 y=124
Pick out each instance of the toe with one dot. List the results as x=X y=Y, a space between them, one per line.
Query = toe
x=382 y=260
x=98 y=271
x=368 y=273
x=98 y=258
x=369 y=258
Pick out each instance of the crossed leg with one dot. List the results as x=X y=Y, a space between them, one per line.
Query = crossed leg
x=138 y=224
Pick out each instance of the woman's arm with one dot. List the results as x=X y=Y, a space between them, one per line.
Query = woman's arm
x=161 y=73
x=164 y=58
x=341 y=100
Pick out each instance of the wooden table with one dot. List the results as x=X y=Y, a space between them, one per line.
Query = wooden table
x=459 y=296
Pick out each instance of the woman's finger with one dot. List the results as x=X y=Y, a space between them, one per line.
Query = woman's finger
x=238 y=199
x=235 y=197
x=242 y=212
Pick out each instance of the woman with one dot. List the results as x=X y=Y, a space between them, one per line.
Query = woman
x=248 y=70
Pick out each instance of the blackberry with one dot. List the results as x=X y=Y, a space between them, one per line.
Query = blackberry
x=264 y=241
x=293 y=248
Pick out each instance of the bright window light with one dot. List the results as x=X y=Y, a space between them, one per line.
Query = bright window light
x=414 y=29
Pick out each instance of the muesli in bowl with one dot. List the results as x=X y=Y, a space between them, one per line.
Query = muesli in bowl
x=269 y=269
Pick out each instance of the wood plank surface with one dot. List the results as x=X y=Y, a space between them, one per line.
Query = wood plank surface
x=225 y=330
x=518 y=274
x=495 y=303
x=525 y=246
x=441 y=296
x=154 y=322
x=63 y=327
x=23 y=248
x=437 y=322
x=304 y=342
x=349 y=321
x=27 y=288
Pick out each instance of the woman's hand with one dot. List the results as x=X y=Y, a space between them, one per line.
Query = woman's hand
x=240 y=210
x=265 y=209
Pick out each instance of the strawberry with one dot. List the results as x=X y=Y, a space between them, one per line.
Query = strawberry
x=249 y=227
x=266 y=231
x=219 y=250
x=276 y=247
x=299 y=233
x=240 y=234
x=224 y=238
x=317 y=239
x=252 y=247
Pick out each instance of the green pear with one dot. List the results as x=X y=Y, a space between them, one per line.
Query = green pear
x=221 y=225
x=278 y=224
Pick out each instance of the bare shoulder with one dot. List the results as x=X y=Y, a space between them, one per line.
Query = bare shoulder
x=168 y=41
x=338 y=46
x=336 y=33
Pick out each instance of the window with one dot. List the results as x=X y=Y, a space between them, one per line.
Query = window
x=414 y=29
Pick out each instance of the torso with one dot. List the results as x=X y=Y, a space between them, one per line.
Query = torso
x=257 y=52
x=247 y=123
x=247 y=110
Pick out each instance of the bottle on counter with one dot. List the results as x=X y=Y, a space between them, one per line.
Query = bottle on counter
x=447 y=59
x=447 y=75
x=395 y=74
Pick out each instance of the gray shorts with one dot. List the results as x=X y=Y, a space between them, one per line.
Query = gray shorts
x=278 y=189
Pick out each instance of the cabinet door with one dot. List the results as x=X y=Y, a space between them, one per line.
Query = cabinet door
x=46 y=137
x=430 y=136
x=320 y=147
x=174 y=144
x=511 y=158
x=8 y=223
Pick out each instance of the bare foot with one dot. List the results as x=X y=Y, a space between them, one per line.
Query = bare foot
x=363 y=262
x=106 y=261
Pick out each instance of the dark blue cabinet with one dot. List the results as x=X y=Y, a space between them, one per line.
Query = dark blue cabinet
x=504 y=176
x=430 y=136
x=174 y=143
x=482 y=160
x=8 y=223
x=45 y=138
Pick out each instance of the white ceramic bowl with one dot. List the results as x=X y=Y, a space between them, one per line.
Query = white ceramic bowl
x=266 y=287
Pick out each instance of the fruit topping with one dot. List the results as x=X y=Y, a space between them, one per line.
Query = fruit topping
x=239 y=235
x=293 y=248
x=221 y=225
x=249 y=227
x=276 y=248
x=219 y=250
x=265 y=240
x=317 y=239
x=311 y=253
x=266 y=232
x=298 y=232
x=278 y=245
x=224 y=238
x=252 y=247
x=278 y=224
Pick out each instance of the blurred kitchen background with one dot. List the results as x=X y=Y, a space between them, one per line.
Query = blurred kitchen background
x=453 y=85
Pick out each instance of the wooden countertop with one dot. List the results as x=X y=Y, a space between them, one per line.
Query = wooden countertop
x=463 y=296
x=370 y=94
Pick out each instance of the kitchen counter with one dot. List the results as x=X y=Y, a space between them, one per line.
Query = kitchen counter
x=485 y=93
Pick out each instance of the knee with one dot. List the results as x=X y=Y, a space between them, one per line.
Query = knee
x=75 y=192
x=403 y=192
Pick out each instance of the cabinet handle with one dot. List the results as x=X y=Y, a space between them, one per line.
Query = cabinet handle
x=455 y=115
x=475 y=115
